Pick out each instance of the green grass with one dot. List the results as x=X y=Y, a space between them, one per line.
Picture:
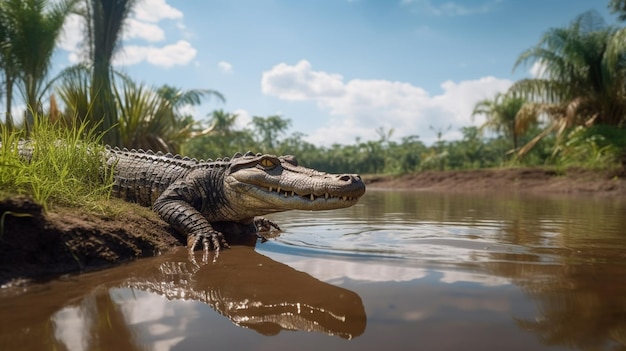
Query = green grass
x=66 y=168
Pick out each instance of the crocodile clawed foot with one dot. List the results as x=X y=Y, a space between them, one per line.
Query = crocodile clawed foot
x=265 y=225
x=264 y=228
x=209 y=240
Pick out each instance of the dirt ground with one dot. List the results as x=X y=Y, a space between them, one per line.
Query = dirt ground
x=514 y=180
x=38 y=245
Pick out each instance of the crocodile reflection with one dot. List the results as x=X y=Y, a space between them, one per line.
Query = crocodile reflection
x=256 y=292
x=250 y=289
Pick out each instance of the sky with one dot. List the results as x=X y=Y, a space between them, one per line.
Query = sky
x=338 y=69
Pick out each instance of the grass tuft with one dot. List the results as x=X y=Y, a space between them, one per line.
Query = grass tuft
x=66 y=166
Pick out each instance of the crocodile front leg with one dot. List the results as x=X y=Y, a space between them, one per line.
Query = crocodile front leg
x=175 y=208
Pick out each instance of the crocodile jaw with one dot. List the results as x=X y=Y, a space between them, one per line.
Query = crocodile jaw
x=265 y=193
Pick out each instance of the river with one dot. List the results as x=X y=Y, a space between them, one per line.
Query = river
x=401 y=270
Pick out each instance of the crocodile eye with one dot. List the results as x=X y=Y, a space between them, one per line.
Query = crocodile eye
x=268 y=163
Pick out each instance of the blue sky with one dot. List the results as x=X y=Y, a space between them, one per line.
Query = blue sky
x=339 y=69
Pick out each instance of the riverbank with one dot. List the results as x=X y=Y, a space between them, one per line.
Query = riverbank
x=574 y=181
x=36 y=244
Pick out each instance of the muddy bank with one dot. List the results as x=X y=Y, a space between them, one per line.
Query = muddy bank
x=34 y=244
x=515 y=180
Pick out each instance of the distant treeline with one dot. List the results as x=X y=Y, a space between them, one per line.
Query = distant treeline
x=596 y=147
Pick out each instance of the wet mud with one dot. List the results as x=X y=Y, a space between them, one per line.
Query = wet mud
x=37 y=245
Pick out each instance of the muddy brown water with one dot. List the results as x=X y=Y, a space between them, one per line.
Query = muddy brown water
x=399 y=271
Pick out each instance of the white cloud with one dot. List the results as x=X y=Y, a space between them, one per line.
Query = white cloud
x=178 y=54
x=142 y=30
x=359 y=106
x=72 y=37
x=142 y=25
x=225 y=67
x=155 y=10
x=335 y=270
x=300 y=82
x=72 y=34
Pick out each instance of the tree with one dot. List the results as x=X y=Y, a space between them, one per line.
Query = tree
x=73 y=87
x=105 y=20
x=180 y=98
x=7 y=62
x=269 y=128
x=146 y=120
x=581 y=84
x=501 y=113
x=30 y=29
x=222 y=122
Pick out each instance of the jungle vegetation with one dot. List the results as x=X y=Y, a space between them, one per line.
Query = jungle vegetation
x=573 y=113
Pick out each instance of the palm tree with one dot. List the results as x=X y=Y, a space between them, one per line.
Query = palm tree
x=7 y=63
x=73 y=87
x=105 y=20
x=145 y=119
x=582 y=83
x=154 y=118
x=180 y=98
x=148 y=118
x=30 y=29
x=222 y=122
x=501 y=113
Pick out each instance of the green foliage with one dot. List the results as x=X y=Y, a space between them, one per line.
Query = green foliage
x=501 y=116
x=583 y=81
x=147 y=117
x=385 y=155
x=178 y=98
x=73 y=88
x=595 y=148
x=268 y=129
x=66 y=165
x=28 y=34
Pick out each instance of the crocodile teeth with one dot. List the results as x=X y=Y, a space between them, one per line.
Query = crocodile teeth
x=344 y=198
x=278 y=190
x=312 y=197
x=326 y=195
x=293 y=193
x=271 y=189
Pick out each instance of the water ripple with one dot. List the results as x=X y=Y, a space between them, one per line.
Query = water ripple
x=450 y=230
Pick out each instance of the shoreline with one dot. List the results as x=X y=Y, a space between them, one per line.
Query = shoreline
x=537 y=181
x=36 y=245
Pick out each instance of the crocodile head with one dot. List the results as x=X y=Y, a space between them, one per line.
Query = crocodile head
x=265 y=184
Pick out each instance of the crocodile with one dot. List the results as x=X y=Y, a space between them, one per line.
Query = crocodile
x=195 y=196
